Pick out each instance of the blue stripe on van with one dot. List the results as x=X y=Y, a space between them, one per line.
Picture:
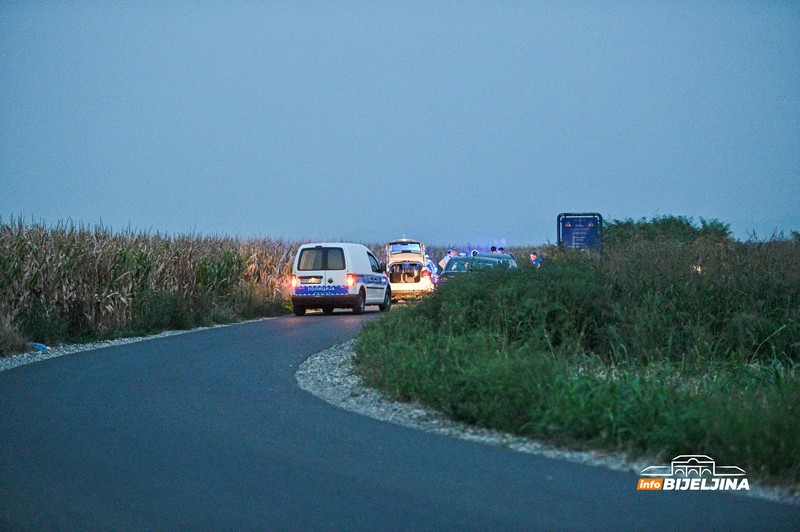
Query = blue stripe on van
x=378 y=280
x=321 y=290
x=370 y=280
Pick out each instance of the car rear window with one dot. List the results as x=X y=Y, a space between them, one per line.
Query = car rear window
x=321 y=259
x=466 y=265
x=405 y=247
x=483 y=264
x=456 y=265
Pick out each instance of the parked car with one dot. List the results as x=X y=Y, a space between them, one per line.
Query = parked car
x=338 y=275
x=476 y=262
x=410 y=276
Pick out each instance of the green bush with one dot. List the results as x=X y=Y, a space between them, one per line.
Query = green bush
x=664 y=228
x=167 y=311
x=11 y=340
x=663 y=347
x=43 y=322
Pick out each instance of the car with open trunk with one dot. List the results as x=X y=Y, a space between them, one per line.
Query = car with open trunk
x=409 y=275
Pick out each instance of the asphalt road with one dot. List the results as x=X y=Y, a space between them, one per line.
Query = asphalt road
x=209 y=430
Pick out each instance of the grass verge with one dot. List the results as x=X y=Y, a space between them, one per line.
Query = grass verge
x=642 y=353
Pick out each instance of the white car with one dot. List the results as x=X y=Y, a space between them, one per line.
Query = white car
x=333 y=275
x=409 y=275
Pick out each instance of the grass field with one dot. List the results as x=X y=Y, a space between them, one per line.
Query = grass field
x=679 y=341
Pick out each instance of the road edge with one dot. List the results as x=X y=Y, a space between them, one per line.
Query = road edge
x=329 y=375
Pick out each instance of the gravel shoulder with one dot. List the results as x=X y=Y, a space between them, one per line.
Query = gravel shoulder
x=329 y=375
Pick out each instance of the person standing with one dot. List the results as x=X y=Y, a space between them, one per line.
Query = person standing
x=449 y=255
x=432 y=267
x=536 y=262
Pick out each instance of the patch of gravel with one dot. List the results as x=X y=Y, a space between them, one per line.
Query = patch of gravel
x=31 y=357
x=329 y=375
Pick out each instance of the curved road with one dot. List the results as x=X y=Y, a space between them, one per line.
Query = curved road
x=209 y=430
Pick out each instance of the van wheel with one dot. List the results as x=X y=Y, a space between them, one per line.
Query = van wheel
x=299 y=311
x=361 y=305
x=387 y=301
x=327 y=310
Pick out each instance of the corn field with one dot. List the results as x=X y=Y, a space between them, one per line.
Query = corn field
x=69 y=280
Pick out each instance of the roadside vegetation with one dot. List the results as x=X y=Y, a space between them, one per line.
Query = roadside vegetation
x=680 y=340
x=71 y=283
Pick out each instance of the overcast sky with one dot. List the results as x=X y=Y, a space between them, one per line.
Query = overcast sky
x=451 y=122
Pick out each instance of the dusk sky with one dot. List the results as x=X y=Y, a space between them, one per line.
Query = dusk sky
x=451 y=122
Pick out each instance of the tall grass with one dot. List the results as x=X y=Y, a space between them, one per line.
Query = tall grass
x=68 y=281
x=709 y=297
x=665 y=346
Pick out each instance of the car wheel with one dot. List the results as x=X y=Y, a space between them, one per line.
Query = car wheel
x=327 y=310
x=361 y=305
x=299 y=311
x=387 y=301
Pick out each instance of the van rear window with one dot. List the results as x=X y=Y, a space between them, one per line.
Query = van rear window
x=335 y=259
x=321 y=259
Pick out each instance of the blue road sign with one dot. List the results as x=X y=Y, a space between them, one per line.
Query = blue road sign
x=580 y=230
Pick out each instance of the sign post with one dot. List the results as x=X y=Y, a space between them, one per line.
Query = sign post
x=580 y=230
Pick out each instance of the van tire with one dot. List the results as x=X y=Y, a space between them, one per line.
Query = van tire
x=299 y=311
x=387 y=301
x=327 y=310
x=361 y=305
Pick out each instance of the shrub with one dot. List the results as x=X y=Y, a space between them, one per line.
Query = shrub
x=664 y=228
x=663 y=347
x=11 y=340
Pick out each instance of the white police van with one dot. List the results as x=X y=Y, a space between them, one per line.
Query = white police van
x=333 y=275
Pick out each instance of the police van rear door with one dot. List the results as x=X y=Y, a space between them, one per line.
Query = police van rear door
x=321 y=271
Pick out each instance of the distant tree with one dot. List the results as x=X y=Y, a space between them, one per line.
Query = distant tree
x=715 y=229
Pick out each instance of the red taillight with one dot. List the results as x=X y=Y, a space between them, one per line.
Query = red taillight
x=351 y=279
x=294 y=281
x=426 y=274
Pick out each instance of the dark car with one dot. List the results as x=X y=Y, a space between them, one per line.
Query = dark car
x=481 y=261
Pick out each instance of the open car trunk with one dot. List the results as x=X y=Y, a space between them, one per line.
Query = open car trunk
x=405 y=272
